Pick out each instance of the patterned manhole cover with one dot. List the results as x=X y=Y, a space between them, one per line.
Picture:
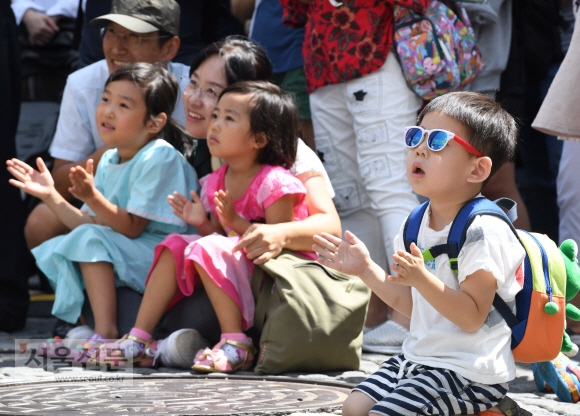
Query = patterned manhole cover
x=192 y=396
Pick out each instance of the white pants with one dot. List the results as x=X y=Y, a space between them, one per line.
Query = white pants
x=568 y=188
x=358 y=128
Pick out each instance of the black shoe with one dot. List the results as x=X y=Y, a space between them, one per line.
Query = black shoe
x=510 y=408
x=61 y=328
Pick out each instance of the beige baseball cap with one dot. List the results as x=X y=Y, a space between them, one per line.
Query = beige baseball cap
x=143 y=16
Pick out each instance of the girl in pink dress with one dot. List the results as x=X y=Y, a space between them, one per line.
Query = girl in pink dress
x=254 y=130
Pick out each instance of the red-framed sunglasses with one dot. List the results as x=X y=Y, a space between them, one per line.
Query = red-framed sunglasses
x=437 y=139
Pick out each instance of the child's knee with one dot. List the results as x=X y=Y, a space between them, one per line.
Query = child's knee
x=42 y=225
x=357 y=404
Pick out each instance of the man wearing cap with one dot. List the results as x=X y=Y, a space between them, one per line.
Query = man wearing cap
x=134 y=31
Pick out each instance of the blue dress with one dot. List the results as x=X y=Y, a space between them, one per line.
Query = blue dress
x=140 y=186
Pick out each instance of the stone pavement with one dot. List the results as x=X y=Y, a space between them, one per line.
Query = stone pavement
x=522 y=389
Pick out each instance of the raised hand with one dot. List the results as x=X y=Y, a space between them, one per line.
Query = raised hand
x=410 y=267
x=83 y=185
x=38 y=183
x=350 y=257
x=225 y=207
x=191 y=212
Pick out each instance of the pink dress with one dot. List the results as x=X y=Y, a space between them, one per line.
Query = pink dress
x=232 y=272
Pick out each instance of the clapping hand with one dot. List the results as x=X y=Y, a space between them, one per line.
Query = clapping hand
x=192 y=212
x=350 y=257
x=225 y=207
x=83 y=185
x=38 y=183
x=410 y=267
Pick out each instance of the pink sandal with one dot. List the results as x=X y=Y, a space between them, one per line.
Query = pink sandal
x=56 y=348
x=48 y=348
x=227 y=356
x=130 y=349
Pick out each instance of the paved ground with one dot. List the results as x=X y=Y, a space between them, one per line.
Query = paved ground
x=522 y=389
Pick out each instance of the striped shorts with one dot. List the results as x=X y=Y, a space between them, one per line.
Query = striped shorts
x=400 y=387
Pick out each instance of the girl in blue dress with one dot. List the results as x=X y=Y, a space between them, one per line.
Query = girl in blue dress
x=125 y=213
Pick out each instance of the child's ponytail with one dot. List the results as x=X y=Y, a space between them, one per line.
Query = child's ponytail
x=176 y=136
x=160 y=91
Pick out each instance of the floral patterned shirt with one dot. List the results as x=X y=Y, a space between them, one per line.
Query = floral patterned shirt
x=344 y=39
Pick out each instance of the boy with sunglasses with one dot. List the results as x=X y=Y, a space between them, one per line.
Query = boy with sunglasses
x=457 y=358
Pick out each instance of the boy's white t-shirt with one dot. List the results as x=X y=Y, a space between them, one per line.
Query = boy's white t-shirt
x=483 y=356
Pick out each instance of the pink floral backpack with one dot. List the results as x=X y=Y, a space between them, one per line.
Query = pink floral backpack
x=437 y=50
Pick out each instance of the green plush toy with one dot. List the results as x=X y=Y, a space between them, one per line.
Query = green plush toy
x=569 y=251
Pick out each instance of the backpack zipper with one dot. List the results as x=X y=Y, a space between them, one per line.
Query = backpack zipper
x=545 y=265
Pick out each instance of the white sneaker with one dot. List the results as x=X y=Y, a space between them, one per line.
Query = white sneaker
x=179 y=349
x=73 y=336
x=386 y=338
